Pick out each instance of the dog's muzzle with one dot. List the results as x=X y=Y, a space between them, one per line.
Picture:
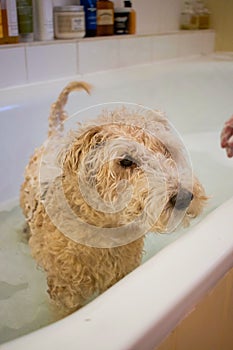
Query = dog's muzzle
x=182 y=199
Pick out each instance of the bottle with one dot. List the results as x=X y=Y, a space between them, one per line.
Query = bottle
x=43 y=20
x=90 y=16
x=9 y=22
x=188 y=17
x=105 y=17
x=132 y=18
x=4 y=22
x=1 y=26
x=121 y=20
x=203 y=15
x=69 y=22
x=25 y=20
x=204 y=21
x=12 y=22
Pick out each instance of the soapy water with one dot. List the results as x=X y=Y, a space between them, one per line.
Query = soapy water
x=24 y=302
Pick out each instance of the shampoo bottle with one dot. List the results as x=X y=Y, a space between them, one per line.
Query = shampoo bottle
x=25 y=20
x=188 y=17
x=9 y=22
x=132 y=17
x=4 y=22
x=90 y=16
x=105 y=17
x=203 y=15
x=1 y=26
x=12 y=22
x=43 y=20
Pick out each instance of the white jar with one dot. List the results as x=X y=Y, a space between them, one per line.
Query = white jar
x=69 y=22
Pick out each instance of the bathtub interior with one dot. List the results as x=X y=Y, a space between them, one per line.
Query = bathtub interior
x=196 y=95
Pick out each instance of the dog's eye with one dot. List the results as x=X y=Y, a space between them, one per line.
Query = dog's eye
x=127 y=162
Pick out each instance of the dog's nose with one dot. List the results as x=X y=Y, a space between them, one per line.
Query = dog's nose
x=182 y=199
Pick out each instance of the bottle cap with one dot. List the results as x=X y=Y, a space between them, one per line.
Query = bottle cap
x=128 y=3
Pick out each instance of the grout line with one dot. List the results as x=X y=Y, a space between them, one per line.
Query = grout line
x=26 y=63
x=77 y=52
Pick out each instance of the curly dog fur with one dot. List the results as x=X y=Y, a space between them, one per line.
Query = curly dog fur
x=76 y=272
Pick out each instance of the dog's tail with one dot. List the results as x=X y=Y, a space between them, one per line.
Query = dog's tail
x=57 y=112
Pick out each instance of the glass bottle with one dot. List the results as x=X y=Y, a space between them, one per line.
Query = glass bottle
x=188 y=17
x=203 y=15
x=105 y=17
x=4 y=22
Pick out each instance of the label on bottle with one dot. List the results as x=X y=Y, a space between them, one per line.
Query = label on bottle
x=105 y=17
x=121 y=21
x=12 y=18
x=91 y=18
x=70 y=23
x=77 y=24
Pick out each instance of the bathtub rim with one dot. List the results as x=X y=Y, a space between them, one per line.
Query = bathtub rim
x=92 y=321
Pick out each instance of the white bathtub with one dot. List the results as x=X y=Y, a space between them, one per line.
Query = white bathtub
x=140 y=310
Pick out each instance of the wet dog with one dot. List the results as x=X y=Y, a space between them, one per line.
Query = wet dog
x=90 y=197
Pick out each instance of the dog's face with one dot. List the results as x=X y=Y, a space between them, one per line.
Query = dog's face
x=115 y=173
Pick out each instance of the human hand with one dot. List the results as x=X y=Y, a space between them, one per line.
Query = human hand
x=227 y=137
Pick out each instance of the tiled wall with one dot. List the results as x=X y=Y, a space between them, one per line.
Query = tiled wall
x=22 y=64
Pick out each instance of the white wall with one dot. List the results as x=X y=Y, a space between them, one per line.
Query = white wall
x=153 y=16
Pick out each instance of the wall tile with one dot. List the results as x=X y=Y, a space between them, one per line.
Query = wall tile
x=148 y=16
x=164 y=47
x=169 y=15
x=40 y=62
x=190 y=44
x=54 y=61
x=157 y=16
x=97 y=55
x=12 y=66
x=134 y=51
x=208 y=42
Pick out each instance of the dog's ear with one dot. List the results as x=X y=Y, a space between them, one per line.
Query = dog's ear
x=80 y=145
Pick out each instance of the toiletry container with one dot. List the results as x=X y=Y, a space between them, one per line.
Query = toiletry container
x=90 y=16
x=10 y=34
x=1 y=26
x=188 y=17
x=132 y=17
x=105 y=17
x=12 y=22
x=43 y=20
x=69 y=22
x=121 y=20
x=203 y=15
x=25 y=20
x=4 y=26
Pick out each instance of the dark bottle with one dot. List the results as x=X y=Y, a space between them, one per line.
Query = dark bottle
x=105 y=17
x=90 y=16
x=132 y=17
